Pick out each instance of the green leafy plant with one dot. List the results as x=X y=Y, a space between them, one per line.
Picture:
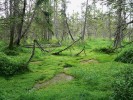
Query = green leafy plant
x=11 y=52
x=9 y=67
x=106 y=50
x=123 y=85
x=126 y=57
x=67 y=65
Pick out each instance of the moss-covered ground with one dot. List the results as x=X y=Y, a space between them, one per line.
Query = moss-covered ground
x=93 y=74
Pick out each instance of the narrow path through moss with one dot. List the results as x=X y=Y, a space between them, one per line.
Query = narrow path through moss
x=61 y=77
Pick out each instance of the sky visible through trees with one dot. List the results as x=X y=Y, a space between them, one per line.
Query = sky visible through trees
x=75 y=5
x=72 y=6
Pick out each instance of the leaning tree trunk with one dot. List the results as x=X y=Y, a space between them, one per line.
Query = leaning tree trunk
x=109 y=22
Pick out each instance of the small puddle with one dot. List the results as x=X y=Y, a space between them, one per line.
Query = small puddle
x=62 y=77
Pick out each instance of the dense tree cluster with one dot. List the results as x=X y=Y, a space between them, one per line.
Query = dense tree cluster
x=45 y=20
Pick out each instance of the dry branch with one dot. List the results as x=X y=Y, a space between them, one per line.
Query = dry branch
x=130 y=22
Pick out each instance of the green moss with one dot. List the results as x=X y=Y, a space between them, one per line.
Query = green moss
x=92 y=81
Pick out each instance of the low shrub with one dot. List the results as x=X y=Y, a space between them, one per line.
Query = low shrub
x=105 y=50
x=123 y=85
x=2 y=46
x=10 y=67
x=126 y=57
x=11 y=52
x=67 y=65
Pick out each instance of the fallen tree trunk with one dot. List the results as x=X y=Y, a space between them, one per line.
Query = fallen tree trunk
x=41 y=48
x=57 y=53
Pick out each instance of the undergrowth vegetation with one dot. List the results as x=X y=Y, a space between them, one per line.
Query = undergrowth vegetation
x=106 y=50
x=94 y=74
x=123 y=85
x=9 y=66
x=12 y=62
x=126 y=56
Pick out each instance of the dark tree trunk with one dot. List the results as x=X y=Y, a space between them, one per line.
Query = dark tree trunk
x=27 y=28
x=118 y=34
x=12 y=22
x=20 y=27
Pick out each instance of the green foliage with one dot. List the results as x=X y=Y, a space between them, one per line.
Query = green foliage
x=106 y=50
x=123 y=85
x=9 y=67
x=126 y=56
x=67 y=65
x=11 y=52
x=64 y=92
x=92 y=81
x=2 y=46
x=14 y=52
x=39 y=2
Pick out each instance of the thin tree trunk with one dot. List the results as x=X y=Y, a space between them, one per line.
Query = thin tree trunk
x=69 y=30
x=109 y=22
x=65 y=22
x=84 y=28
x=55 y=20
x=6 y=8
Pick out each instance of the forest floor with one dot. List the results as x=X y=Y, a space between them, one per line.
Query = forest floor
x=64 y=77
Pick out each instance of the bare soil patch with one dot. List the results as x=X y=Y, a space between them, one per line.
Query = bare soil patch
x=89 y=61
x=36 y=62
x=62 y=77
